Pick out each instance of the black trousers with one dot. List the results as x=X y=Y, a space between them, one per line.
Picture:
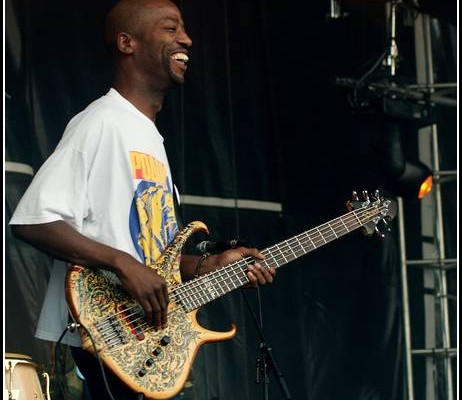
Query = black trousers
x=91 y=371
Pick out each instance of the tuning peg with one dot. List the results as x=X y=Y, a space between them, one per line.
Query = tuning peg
x=365 y=195
x=377 y=194
x=354 y=194
x=383 y=222
x=380 y=234
x=382 y=228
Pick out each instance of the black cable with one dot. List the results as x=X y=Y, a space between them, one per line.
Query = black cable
x=71 y=327
x=60 y=385
x=103 y=372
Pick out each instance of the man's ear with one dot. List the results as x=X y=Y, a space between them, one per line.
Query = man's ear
x=125 y=43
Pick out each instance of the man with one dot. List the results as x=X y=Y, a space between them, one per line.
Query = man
x=105 y=197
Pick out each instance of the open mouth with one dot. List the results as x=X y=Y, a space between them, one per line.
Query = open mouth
x=180 y=58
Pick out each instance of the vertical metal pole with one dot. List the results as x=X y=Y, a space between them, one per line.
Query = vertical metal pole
x=443 y=335
x=437 y=329
x=392 y=56
x=405 y=300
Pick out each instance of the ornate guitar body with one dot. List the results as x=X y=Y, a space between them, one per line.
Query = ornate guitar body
x=157 y=363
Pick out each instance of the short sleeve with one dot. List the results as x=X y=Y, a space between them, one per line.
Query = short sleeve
x=57 y=192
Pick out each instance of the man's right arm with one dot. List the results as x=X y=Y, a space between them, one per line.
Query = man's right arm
x=63 y=242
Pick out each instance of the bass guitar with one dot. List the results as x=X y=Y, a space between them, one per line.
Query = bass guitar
x=157 y=363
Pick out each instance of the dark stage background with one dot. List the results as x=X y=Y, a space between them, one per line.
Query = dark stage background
x=258 y=119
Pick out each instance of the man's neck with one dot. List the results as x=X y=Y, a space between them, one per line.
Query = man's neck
x=148 y=103
x=144 y=96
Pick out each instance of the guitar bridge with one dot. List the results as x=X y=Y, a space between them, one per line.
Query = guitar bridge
x=111 y=332
x=113 y=329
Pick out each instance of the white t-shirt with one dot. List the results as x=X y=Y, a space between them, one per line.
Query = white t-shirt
x=109 y=178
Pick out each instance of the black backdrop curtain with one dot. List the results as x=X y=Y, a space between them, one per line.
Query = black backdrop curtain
x=259 y=119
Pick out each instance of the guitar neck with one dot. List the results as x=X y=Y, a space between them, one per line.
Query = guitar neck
x=200 y=291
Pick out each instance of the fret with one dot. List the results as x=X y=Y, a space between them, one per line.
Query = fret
x=195 y=299
x=322 y=236
x=269 y=259
x=311 y=240
x=226 y=280
x=209 y=293
x=187 y=304
x=194 y=293
x=235 y=283
x=198 y=303
x=282 y=254
x=300 y=245
x=341 y=219
x=300 y=251
x=242 y=276
x=293 y=255
x=218 y=285
x=359 y=221
x=332 y=229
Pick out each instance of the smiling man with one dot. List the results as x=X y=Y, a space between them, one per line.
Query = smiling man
x=105 y=198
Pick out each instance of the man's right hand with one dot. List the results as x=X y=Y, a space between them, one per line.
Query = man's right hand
x=148 y=288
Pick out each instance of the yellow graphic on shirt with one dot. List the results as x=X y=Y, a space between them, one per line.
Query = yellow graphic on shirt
x=152 y=218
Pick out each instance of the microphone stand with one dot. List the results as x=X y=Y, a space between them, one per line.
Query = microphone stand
x=266 y=362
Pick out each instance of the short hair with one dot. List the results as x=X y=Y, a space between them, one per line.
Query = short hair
x=127 y=16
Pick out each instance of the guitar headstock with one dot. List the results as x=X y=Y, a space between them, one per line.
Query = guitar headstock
x=381 y=212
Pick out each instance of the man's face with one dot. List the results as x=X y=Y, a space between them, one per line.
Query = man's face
x=163 y=46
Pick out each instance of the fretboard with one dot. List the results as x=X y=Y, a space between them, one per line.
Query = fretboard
x=200 y=291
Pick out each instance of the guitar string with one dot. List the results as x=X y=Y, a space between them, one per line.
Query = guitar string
x=233 y=270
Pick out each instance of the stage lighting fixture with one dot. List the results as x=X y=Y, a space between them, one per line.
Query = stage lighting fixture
x=415 y=180
x=406 y=176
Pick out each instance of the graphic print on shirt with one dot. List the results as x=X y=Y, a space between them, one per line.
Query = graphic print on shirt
x=152 y=218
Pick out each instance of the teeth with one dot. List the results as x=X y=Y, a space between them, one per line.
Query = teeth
x=180 y=57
